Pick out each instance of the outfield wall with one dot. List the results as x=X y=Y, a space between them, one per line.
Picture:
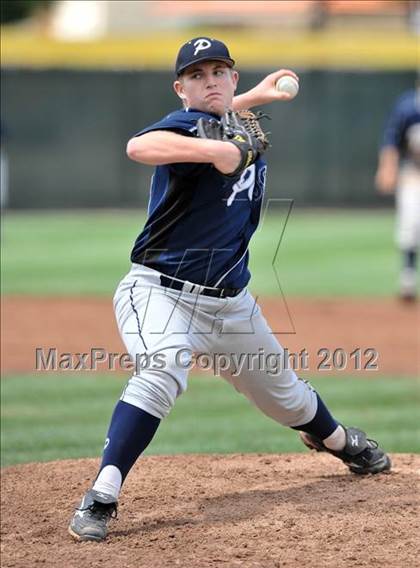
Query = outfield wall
x=66 y=132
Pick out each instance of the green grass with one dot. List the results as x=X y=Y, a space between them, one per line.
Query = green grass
x=48 y=416
x=66 y=253
x=323 y=253
x=334 y=253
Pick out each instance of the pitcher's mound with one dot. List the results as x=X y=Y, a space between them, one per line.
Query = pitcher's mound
x=198 y=511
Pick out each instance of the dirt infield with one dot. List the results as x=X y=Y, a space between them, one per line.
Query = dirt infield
x=76 y=325
x=200 y=511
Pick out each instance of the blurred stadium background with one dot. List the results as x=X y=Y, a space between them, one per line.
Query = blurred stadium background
x=80 y=77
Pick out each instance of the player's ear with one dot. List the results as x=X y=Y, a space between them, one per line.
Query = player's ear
x=179 y=89
x=235 y=77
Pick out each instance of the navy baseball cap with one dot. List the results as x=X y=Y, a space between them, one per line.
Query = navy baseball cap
x=202 y=49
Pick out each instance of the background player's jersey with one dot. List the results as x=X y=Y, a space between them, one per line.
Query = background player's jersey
x=403 y=127
x=200 y=221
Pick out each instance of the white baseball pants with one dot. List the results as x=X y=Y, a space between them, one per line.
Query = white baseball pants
x=408 y=208
x=164 y=329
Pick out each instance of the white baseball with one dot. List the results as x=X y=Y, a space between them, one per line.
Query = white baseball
x=288 y=84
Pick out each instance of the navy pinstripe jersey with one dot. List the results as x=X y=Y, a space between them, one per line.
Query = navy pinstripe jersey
x=199 y=221
x=402 y=128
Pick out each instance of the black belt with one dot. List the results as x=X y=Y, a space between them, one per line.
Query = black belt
x=204 y=290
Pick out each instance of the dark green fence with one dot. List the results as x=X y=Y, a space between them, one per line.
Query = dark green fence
x=66 y=133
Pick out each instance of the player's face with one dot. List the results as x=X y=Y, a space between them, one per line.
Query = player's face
x=208 y=86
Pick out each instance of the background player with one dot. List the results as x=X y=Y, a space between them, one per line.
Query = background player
x=186 y=291
x=399 y=170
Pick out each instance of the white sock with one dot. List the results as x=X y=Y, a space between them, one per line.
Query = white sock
x=337 y=440
x=109 y=481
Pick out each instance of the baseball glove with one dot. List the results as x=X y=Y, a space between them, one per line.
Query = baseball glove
x=241 y=128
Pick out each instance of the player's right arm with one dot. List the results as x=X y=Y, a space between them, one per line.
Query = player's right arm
x=388 y=167
x=161 y=147
x=390 y=153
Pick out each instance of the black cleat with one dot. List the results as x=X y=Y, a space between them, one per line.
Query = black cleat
x=360 y=454
x=90 y=521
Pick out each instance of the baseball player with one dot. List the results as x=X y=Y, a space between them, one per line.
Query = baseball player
x=186 y=292
x=399 y=169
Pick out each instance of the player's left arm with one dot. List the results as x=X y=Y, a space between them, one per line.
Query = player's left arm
x=264 y=92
